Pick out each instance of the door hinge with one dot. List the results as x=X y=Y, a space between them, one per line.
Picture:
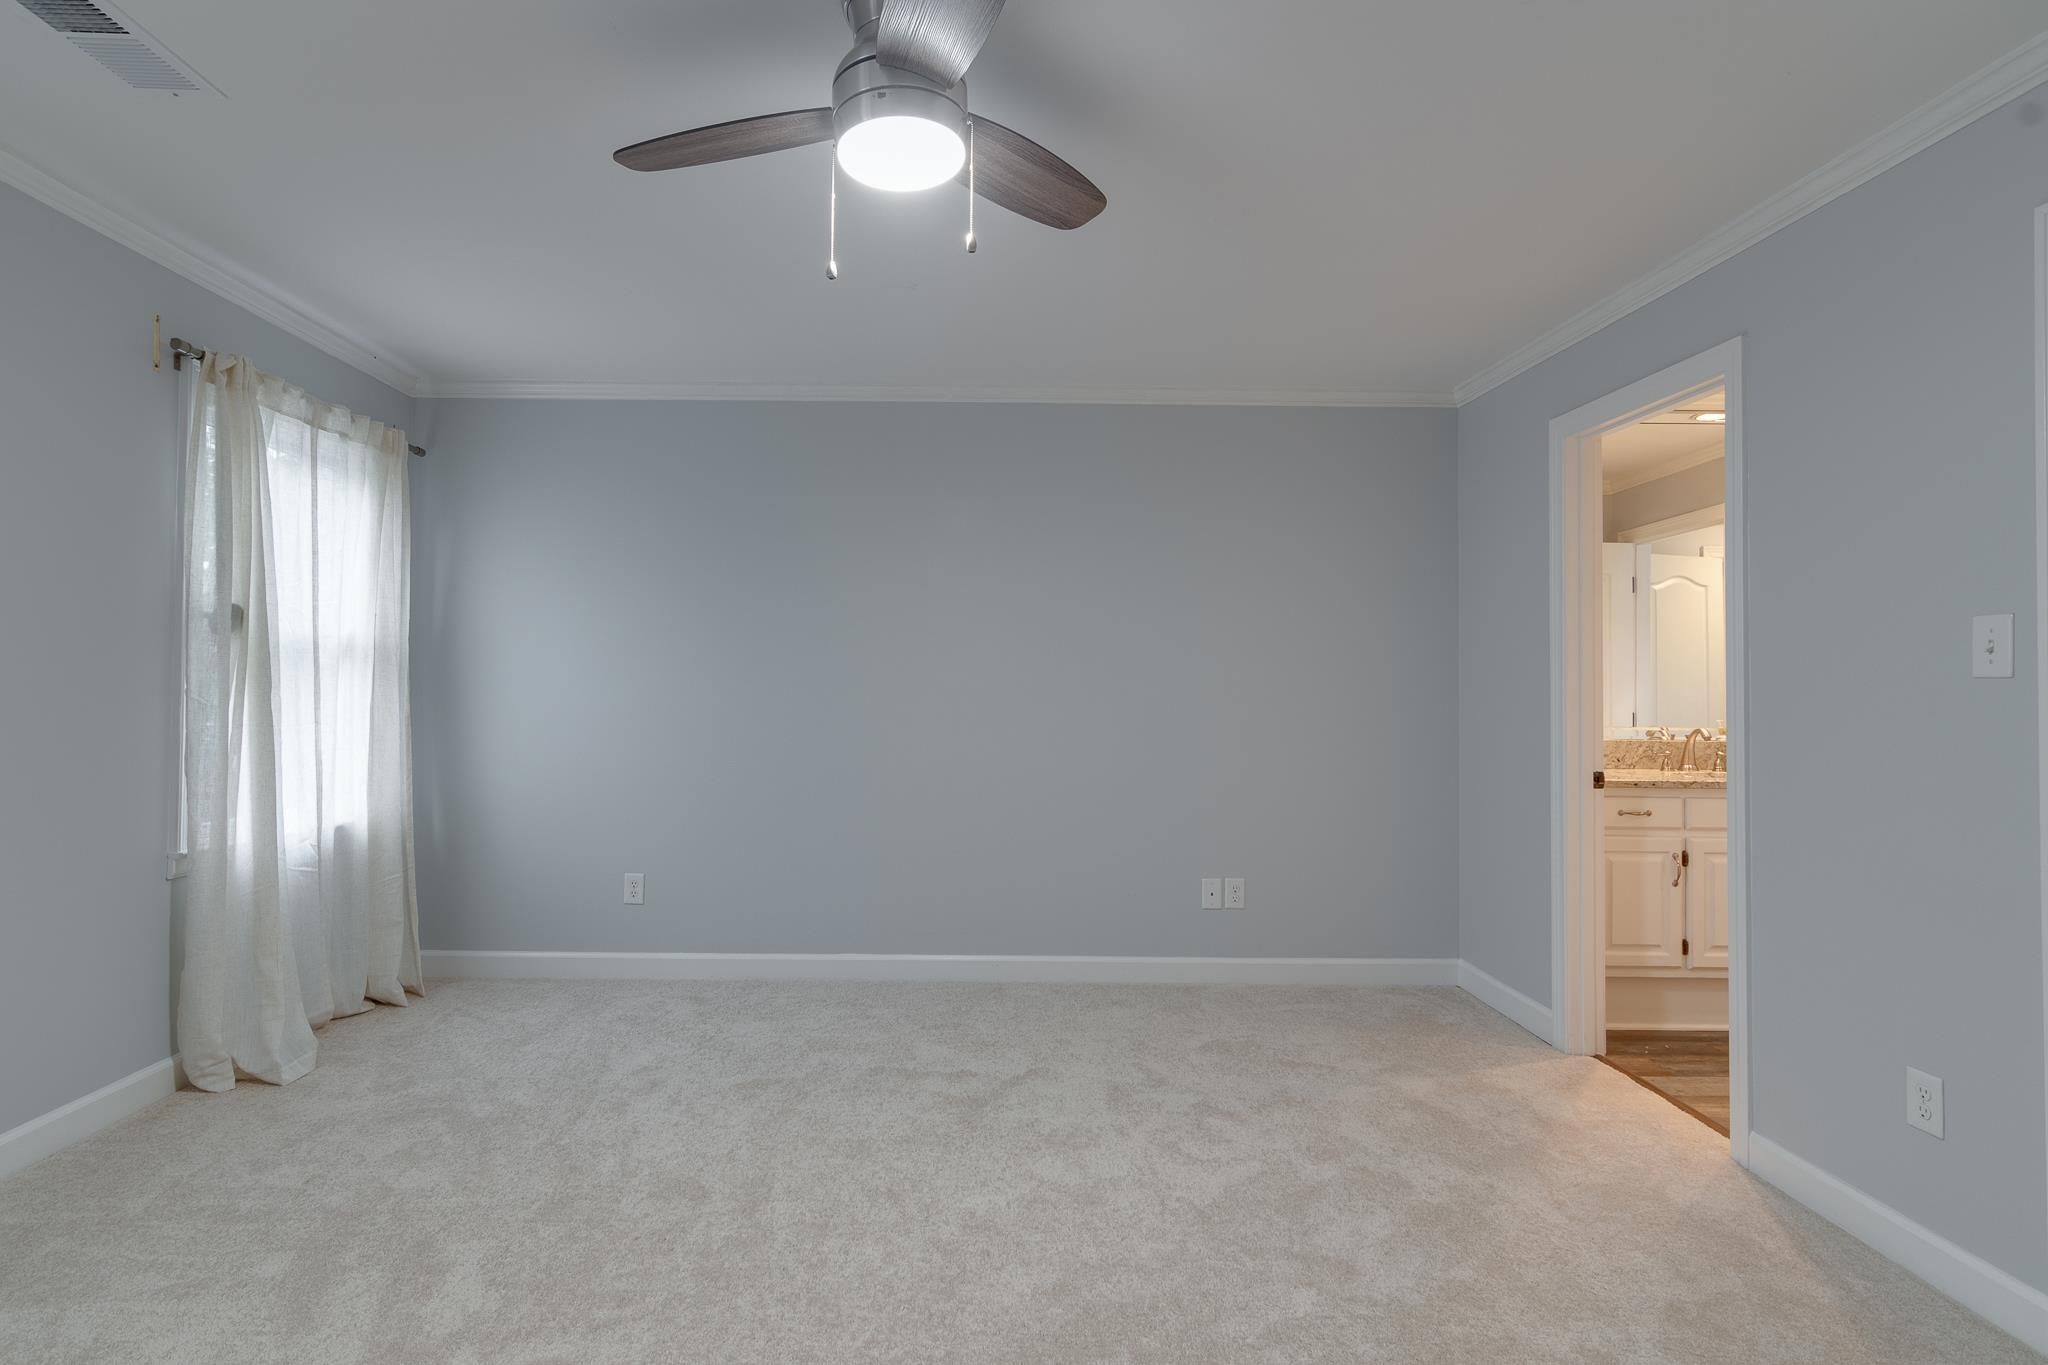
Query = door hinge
x=1685 y=857
x=1685 y=947
x=1631 y=582
x=1632 y=720
x=1599 y=781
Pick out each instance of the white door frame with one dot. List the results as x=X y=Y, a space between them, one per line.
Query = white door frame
x=1578 y=982
x=2041 y=560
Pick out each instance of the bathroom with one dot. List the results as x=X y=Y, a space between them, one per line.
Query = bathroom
x=1665 y=748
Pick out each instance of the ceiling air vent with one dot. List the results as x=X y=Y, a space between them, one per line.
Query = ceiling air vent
x=117 y=43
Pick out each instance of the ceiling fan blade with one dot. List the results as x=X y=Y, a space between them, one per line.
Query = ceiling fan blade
x=1012 y=170
x=938 y=39
x=728 y=141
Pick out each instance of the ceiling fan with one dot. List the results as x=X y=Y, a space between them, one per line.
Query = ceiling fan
x=899 y=121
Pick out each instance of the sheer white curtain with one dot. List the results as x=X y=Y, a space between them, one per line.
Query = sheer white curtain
x=298 y=746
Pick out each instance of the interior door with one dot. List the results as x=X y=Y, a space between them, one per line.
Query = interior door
x=1618 y=634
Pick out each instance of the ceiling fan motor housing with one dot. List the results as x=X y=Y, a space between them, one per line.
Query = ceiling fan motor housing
x=865 y=89
x=861 y=16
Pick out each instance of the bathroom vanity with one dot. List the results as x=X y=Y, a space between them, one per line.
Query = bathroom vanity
x=1666 y=872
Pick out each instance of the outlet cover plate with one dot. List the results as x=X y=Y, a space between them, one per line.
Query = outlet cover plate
x=1923 y=1101
x=636 y=888
x=1233 y=893
x=1212 y=893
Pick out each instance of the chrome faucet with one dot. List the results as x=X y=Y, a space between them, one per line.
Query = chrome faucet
x=1688 y=758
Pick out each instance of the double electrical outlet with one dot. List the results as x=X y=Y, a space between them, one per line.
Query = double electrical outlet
x=1923 y=1101
x=1223 y=893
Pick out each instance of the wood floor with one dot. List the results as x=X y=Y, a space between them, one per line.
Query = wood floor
x=1689 y=1069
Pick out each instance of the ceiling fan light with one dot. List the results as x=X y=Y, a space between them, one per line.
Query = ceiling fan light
x=901 y=152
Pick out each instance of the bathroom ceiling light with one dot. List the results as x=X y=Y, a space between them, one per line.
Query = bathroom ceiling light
x=1710 y=417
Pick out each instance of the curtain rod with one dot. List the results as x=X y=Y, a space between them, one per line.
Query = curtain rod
x=183 y=350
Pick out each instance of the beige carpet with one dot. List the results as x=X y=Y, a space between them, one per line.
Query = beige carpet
x=614 y=1172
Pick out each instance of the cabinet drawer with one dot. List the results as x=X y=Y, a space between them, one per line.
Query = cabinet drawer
x=1706 y=812
x=1637 y=811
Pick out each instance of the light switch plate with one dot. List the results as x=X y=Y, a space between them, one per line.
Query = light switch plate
x=1212 y=893
x=636 y=888
x=1991 y=646
x=1233 y=893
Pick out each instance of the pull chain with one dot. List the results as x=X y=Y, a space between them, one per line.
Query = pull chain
x=971 y=243
x=832 y=222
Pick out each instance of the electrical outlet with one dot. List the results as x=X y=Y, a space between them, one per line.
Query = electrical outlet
x=1923 y=1101
x=636 y=888
x=1233 y=893
x=1212 y=893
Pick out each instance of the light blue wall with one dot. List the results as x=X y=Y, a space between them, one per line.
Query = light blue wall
x=88 y=616
x=935 y=678
x=1895 y=909
x=1009 y=679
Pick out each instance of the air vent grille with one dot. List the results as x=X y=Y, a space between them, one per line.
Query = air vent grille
x=72 y=16
x=115 y=42
x=134 y=61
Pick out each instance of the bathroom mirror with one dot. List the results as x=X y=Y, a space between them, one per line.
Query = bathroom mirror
x=1666 y=623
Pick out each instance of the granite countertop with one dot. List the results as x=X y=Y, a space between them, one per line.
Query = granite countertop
x=1640 y=778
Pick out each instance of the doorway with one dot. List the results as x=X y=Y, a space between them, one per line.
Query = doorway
x=1693 y=816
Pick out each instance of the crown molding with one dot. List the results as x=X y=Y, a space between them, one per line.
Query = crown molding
x=2011 y=75
x=210 y=272
x=820 y=393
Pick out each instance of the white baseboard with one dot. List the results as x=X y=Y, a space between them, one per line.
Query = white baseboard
x=1506 y=1000
x=1659 y=1026
x=1284 y=971
x=58 y=1129
x=1984 y=1289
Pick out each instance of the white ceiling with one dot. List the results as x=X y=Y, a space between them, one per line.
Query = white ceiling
x=1662 y=444
x=1320 y=198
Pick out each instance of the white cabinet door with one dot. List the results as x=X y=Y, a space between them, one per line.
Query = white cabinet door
x=1682 y=666
x=1645 y=900
x=1706 y=900
x=1618 y=633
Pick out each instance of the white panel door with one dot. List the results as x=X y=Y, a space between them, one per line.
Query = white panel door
x=1686 y=609
x=1618 y=633
x=1645 y=900
x=1706 y=900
